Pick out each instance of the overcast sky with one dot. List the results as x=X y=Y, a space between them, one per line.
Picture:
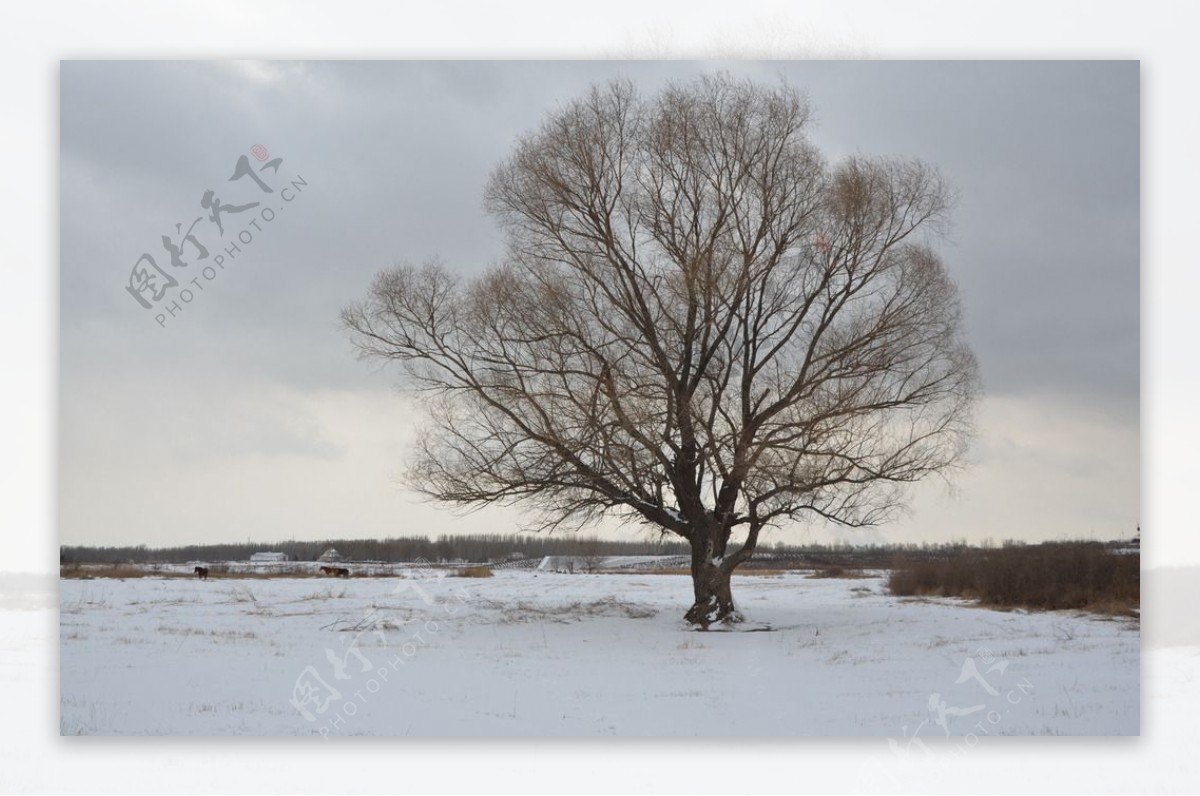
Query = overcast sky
x=246 y=416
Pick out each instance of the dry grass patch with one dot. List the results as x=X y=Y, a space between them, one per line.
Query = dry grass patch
x=474 y=572
x=1052 y=576
x=838 y=572
x=524 y=611
x=215 y=572
x=122 y=571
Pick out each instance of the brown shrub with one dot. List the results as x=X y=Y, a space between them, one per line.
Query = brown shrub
x=1051 y=576
x=475 y=572
x=90 y=571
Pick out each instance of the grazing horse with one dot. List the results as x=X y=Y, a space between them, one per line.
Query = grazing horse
x=335 y=572
x=342 y=572
x=201 y=573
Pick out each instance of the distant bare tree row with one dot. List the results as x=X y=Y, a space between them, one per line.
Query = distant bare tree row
x=475 y=548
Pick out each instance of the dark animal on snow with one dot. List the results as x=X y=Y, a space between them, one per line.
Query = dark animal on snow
x=201 y=573
x=335 y=572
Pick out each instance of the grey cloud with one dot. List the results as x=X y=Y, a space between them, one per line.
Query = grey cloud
x=1044 y=156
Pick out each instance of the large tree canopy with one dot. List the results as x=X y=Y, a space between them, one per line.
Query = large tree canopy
x=697 y=324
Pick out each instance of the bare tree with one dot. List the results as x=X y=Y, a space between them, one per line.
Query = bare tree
x=591 y=560
x=698 y=324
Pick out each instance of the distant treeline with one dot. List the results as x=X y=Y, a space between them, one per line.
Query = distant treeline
x=478 y=548
x=483 y=548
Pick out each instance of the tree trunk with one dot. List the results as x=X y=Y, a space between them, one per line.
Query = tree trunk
x=710 y=584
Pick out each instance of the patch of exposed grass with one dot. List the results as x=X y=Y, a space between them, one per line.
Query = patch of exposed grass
x=760 y=572
x=474 y=572
x=838 y=572
x=325 y=594
x=1052 y=576
x=652 y=571
x=91 y=571
x=215 y=572
x=524 y=611
x=240 y=594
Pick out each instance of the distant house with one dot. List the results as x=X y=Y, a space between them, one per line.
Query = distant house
x=330 y=555
x=262 y=558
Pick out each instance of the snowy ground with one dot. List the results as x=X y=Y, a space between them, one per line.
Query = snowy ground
x=528 y=653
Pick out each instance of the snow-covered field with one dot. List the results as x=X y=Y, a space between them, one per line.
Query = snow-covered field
x=537 y=653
